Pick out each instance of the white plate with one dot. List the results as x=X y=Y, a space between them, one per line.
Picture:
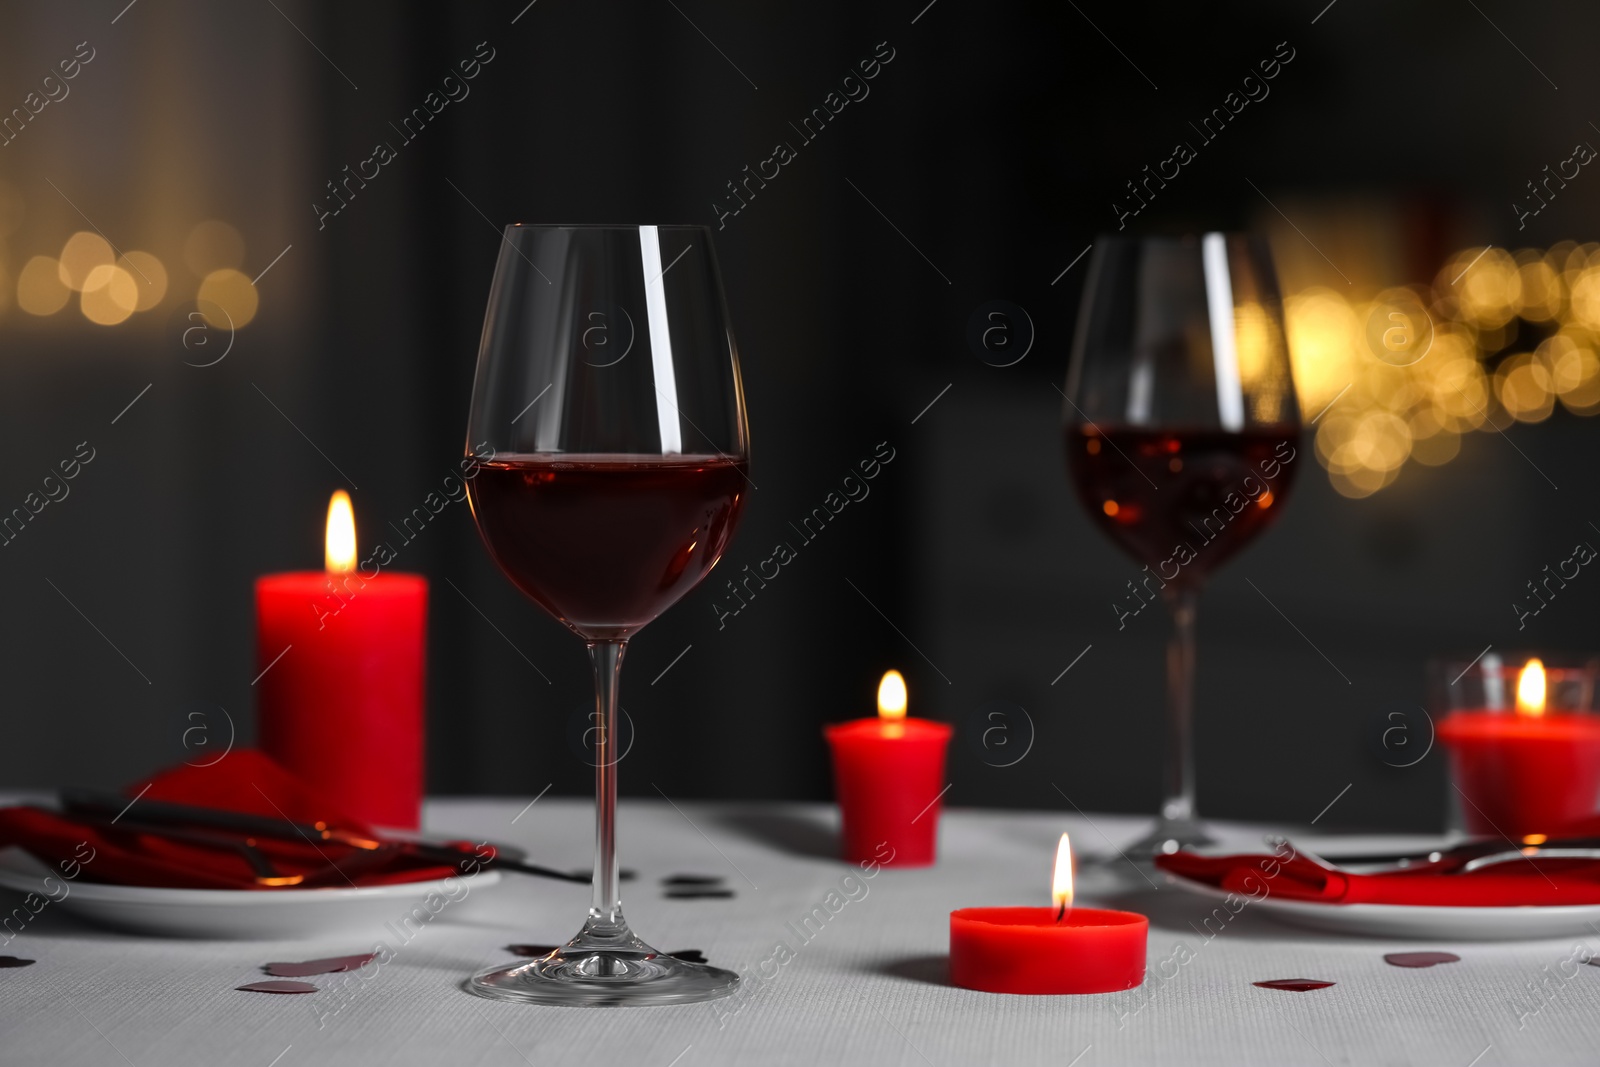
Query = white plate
x=1524 y=923
x=244 y=914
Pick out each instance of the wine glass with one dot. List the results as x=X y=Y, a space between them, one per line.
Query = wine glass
x=1181 y=428
x=608 y=468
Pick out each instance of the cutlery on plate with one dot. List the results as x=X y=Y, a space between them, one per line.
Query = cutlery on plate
x=165 y=813
x=1528 y=852
x=265 y=873
x=1458 y=859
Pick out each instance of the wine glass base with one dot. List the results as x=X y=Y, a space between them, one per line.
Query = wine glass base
x=610 y=977
x=1168 y=836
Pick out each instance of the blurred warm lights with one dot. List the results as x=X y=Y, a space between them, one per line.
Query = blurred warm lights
x=1522 y=385
x=1541 y=291
x=83 y=252
x=40 y=290
x=1500 y=337
x=109 y=295
x=1489 y=289
x=150 y=275
x=227 y=299
x=112 y=286
x=1585 y=297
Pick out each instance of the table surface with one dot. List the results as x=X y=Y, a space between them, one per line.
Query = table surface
x=869 y=988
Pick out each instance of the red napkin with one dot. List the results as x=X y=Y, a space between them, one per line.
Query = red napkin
x=245 y=781
x=1530 y=882
x=1587 y=827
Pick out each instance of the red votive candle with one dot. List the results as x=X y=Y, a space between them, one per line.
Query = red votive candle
x=1048 y=950
x=888 y=776
x=1025 y=950
x=1526 y=772
x=342 y=653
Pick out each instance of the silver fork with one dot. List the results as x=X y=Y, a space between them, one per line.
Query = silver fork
x=1439 y=858
x=1527 y=852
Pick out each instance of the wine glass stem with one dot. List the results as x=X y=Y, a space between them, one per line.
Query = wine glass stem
x=605 y=913
x=1178 y=804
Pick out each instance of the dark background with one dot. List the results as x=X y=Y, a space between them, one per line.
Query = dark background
x=995 y=141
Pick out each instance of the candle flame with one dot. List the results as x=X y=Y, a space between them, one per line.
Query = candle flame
x=1531 y=689
x=1061 y=882
x=339 y=548
x=892 y=697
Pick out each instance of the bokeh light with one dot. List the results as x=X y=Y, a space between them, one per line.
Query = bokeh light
x=150 y=275
x=1259 y=344
x=40 y=290
x=1586 y=297
x=83 y=252
x=227 y=299
x=1540 y=288
x=114 y=286
x=1514 y=335
x=1490 y=286
x=1522 y=385
x=109 y=295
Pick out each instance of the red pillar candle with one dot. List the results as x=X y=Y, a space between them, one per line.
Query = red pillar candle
x=1524 y=773
x=342 y=655
x=888 y=775
x=1061 y=949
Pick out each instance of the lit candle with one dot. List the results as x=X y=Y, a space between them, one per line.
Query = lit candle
x=1059 y=949
x=889 y=778
x=1528 y=772
x=341 y=653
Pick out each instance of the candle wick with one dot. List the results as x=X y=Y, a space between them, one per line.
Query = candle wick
x=1061 y=912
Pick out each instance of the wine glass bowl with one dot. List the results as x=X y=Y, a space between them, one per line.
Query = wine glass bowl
x=1181 y=429
x=606 y=544
x=1156 y=492
x=608 y=467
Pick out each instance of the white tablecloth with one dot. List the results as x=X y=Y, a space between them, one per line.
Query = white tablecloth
x=868 y=988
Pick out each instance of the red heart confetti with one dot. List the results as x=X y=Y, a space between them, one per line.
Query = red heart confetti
x=13 y=961
x=693 y=879
x=278 y=987
x=1294 y=985
x=624 y=875
x=1420 y=959
x=325 y=966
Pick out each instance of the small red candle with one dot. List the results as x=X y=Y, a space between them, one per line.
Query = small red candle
x=888 y=775
x=341 y=653
x=1527 y=773
x=1061 y=949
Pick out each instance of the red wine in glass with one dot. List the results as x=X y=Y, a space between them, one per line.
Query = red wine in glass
x=1181 y=428
x=607 y=459
x=605 y=543
x=1182 y=501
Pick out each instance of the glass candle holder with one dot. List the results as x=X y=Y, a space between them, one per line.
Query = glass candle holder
x=1523 y=735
